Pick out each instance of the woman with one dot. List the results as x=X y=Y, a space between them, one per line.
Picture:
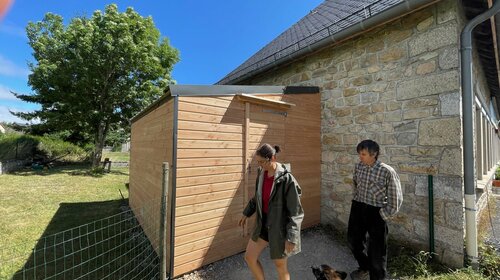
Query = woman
x=279 y=214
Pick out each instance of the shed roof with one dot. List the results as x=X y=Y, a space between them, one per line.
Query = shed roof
x=330 y=17
x=223 y=90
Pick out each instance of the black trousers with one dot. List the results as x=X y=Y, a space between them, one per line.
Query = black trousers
x=370 y=251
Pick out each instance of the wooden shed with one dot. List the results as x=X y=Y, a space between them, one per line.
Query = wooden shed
x=209 y=135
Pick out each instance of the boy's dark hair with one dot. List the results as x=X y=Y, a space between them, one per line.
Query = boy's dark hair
x=267 y=151
x=371 y=146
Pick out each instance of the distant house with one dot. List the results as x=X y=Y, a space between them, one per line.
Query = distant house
x=389 y=71
x=2 y=129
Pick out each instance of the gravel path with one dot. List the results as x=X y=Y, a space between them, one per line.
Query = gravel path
x=318 y=247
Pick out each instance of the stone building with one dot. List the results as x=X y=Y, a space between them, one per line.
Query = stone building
x=390 y=71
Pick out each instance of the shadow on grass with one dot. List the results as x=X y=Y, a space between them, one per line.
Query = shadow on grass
x=71 y=169
x=89 y=240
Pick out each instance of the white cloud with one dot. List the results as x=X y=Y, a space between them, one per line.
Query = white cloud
x=9 y=68
x=6 y=116
x=5 y=94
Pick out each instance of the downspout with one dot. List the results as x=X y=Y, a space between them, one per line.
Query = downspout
x=390 y=14
x=468 y=97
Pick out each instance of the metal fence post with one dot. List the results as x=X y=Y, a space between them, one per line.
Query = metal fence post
x=163 y=222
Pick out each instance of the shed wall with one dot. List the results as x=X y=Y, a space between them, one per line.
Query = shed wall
x=151 y=145
x=209 y=173
x=211 y=191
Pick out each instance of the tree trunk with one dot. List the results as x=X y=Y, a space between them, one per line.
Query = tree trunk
x=99 y=145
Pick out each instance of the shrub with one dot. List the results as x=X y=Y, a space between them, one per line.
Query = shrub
x=51 y=149
x=16 y=146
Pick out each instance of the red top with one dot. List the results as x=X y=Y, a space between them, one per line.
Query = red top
x=266 y=191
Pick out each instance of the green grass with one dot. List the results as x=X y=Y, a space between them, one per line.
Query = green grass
x=35 y=204
x=406 y=264
x=416 y=266
x=116 y=156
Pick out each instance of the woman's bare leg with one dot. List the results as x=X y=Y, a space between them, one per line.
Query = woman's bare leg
x=282 y=268
x=254 y=249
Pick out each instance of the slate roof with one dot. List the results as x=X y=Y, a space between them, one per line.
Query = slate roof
x=328 y=18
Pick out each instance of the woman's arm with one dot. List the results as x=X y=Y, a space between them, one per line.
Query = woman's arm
x=252 y=204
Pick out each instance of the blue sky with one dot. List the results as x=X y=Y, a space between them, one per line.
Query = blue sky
x=213 y=37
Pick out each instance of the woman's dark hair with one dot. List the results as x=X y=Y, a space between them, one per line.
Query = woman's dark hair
x=370 y=145
x=267 y=151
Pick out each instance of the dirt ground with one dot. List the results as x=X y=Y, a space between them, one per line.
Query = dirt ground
x=319 y=246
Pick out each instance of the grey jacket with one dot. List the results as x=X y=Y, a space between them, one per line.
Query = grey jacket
x=285 y=213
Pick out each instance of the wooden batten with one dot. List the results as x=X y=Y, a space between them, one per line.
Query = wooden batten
x=264 y=101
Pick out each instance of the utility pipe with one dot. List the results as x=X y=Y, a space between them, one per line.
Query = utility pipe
x=468 y=158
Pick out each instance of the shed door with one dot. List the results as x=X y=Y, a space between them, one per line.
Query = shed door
x=264 y=123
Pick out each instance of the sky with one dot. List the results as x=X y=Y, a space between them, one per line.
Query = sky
x=213 y=36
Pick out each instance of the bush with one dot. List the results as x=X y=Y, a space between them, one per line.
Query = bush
x=16 y=146
x=51 y=149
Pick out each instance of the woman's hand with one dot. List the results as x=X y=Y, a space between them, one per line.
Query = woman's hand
x=289 y=246
x=242 y=222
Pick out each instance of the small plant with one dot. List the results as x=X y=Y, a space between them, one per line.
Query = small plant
x=420 y=262
x=410 y=264
x=497 y=173
x=489 y=261
x=96 y=171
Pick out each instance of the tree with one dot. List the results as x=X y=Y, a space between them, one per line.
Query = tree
x=96 y=73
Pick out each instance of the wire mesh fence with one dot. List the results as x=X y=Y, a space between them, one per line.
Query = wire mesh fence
x=115 y=247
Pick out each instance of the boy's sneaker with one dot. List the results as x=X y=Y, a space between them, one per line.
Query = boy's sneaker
x=359 y=274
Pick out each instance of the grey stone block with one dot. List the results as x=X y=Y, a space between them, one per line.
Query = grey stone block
x=428 y=85
x=434 y=39
x=438 y=132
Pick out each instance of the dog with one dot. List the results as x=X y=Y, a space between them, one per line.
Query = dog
x=325 y=272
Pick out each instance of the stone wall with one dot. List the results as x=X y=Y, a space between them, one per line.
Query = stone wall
x=399 y=85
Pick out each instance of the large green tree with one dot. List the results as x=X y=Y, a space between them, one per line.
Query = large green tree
x=96 y=73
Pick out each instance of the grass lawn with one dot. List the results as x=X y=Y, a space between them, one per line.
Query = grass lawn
x=116 y=156
x=34 y=204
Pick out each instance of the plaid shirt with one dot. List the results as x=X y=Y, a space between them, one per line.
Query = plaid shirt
x=379 y=186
